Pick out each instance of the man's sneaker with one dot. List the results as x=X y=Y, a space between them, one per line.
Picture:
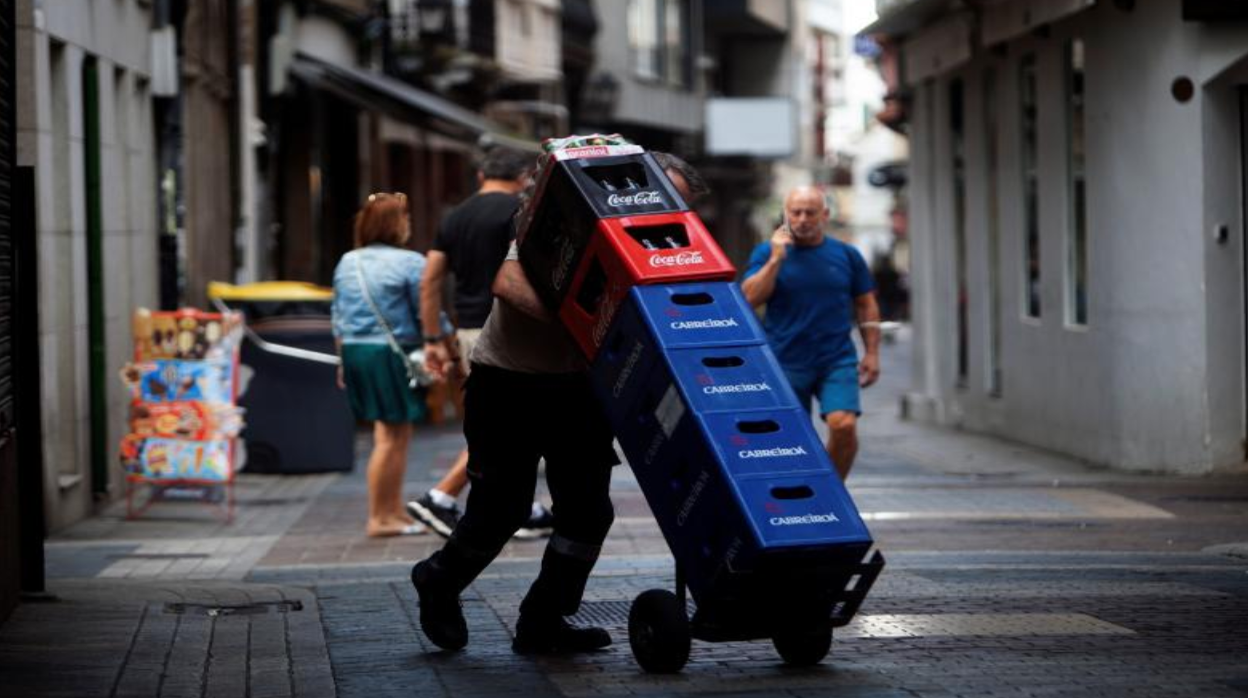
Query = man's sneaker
x=437 y=517
x=540 y=522
x=441 y=616
x=560 y=637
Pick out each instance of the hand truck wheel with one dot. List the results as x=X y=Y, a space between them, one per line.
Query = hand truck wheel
x=658 y=631
x=804 y=647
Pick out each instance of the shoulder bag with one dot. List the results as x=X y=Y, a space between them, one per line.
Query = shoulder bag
x=417 y=376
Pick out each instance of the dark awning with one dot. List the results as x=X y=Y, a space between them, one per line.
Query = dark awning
x=371 y=90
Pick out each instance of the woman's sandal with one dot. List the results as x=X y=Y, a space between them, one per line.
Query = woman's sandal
x=412 y=529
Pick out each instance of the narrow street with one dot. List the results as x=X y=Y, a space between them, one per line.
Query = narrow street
x=1011 y=572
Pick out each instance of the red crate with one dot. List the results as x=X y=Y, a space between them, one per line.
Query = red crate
x=590 y=306
x=617 y=259
x=694 y=256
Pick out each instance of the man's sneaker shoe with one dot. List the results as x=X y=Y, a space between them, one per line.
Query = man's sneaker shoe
x=540 y=523
x=437 y=517
x=560 y=637
x=441 y=616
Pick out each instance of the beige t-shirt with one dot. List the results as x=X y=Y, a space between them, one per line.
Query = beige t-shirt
x=516 y=341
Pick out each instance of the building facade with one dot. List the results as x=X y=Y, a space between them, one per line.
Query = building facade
x=84 y=124
x=1075 y=204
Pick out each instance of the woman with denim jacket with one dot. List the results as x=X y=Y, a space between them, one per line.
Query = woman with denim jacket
x=373 y=374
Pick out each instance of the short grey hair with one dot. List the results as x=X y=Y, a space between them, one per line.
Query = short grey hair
x=501 y=162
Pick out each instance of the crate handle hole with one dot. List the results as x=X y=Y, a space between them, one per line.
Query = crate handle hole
x=619 y=177
x=692 y=298
x=761 y=426
x=797 y=492
x=723 y=361
x=669 y=236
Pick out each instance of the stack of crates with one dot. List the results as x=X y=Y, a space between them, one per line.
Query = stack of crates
x=736 y=476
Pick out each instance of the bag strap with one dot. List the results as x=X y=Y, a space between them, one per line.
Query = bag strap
x=381 y=320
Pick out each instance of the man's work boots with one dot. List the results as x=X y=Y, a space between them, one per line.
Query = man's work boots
x=441 y=616
x=546 y=636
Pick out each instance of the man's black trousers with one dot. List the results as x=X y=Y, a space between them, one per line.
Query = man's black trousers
x=511 y=421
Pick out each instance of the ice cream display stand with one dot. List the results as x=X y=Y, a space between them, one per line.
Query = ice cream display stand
x=183 y=419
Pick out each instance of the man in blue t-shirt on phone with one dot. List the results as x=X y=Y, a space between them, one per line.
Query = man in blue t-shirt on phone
x=816 y=288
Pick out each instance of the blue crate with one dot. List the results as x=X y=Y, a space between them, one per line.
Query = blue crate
x=734 y=473
x=646 y=402
x=693 y=315
x=799 y=510
x=720 y=524
x=641 y=385
x=688 y=482
x=762 y=442
x=652 y=319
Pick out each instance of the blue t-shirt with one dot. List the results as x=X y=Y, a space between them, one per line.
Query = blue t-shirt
x=810 y=316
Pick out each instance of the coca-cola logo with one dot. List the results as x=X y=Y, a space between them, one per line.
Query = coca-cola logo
x=563 y=265
x=645 y=198
x=606 y=311
x=680 y=259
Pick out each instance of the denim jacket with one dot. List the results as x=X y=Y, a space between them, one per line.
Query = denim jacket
x=393 y=277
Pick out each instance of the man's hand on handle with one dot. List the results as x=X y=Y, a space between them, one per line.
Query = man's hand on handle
x=438 y=359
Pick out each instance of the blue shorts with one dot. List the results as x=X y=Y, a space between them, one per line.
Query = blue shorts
x=837 y=388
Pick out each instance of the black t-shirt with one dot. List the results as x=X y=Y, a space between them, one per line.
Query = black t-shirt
x=475 y=236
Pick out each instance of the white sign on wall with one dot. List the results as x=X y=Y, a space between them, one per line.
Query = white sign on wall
x=757 y=126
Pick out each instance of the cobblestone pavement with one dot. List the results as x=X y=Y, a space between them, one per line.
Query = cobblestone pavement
x=1011 y=572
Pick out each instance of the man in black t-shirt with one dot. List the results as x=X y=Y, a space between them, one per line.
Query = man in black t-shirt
x=472 y=243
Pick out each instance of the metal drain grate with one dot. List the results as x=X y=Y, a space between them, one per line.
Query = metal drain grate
x=272 y=501
x=247 y=609
x=610 y=613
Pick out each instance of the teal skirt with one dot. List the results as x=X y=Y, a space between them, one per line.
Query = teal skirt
x=377 y=388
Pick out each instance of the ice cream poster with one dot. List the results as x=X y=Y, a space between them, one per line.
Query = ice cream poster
x=157 y=458
x=178 y=380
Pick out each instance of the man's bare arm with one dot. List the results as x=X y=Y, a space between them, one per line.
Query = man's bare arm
x=438 y=357
x=867 y=313
x=758 y=288
x=431 y=293
x=512 y=286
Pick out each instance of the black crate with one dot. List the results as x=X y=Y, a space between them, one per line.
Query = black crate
x=570 y=199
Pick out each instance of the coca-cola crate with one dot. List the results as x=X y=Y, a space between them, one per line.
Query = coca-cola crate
x=575 y=189
x=626 y=253
x=663 y=248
